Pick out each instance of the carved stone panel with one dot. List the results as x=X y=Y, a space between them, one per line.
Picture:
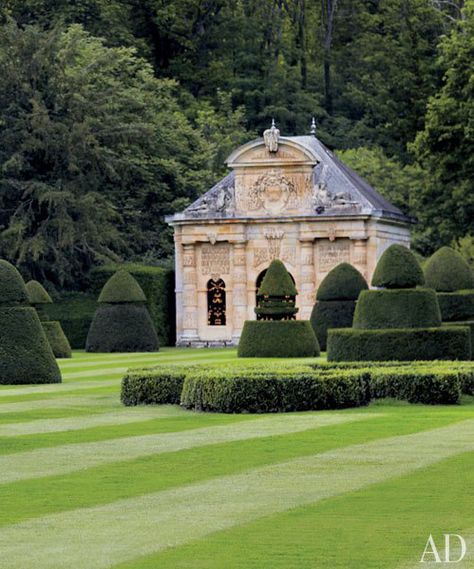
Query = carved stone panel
x=215 y=259
x=331 y=253
x=288 y=254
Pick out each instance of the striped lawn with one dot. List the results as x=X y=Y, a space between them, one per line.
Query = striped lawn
x=86 y=483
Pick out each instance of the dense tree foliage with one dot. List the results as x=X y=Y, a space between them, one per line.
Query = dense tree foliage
x=116 y=112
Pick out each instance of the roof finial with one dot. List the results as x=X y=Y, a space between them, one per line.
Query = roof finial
x=271 y=136
x=313 y=127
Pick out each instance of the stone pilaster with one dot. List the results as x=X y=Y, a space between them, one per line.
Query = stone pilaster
x=359 y=256
x=189 y=296
x=239 y=292
x=307 y=292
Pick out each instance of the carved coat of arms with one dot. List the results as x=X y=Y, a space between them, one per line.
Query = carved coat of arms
x=272 y=192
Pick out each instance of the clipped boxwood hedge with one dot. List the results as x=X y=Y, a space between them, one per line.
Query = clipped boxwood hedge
x=153 y=386
x=284 y=386
x=278 y=339
x=74 y=311
x=416 y=386
x=445 y=343
x=469 y=324
x=122 y=328
x=331 y=314
x=228 y=391
x=158 y=284
x=57 y=339
x=456 y=306
x=397 y=308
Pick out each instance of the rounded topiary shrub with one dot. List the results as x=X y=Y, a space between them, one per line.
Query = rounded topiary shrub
x=447 y=271
x=398 y=268
x=39 y=297
x=25 y=354
x=122 y=322
x=327 y=314
x=402 y=308
x=344 y=282
x=278 y=339
x=336 y=300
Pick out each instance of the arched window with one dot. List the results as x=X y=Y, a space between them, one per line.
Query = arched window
x=216 y=304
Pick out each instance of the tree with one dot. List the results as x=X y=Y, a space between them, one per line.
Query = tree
x=445 y=147
x=94 y=150
x=396 y=182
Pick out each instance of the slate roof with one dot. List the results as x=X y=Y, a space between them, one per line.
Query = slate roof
x=352 y=179
x=329 y=170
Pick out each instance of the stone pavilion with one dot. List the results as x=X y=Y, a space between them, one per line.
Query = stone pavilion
x=287 y=198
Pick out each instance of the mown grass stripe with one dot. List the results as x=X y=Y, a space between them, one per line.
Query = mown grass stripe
x=143 y=359
x=119 y=417
x=59 y=403
x=56 y=387
x=99 y=537
x=71 y=457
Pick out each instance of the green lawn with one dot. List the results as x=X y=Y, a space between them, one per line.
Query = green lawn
x=88 y=484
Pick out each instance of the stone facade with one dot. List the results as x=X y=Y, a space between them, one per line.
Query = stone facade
x=287 y=198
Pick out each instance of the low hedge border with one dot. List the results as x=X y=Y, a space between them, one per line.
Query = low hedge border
x=470 y=325
x=410 y=344
x=153 y=386
x=282 y=387
x=246 y=391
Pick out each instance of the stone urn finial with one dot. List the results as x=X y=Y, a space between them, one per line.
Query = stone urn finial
x=271 y=136
x=313 y=127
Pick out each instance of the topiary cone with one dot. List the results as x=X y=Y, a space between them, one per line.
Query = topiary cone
x=447 y=271
x=122 y=322
x=38 y=297
x=398 y=268
x=276 y=294
x=25 y=354
x=344 y=282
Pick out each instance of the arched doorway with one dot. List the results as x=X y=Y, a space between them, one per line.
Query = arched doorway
x=259 y=280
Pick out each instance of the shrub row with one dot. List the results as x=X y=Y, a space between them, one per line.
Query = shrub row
x=447 y=343
x=276 y=388
x=153 y=386
x=238 y=391
x=456 y=306
x=74 y=311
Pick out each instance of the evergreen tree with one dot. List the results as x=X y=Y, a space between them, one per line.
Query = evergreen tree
x=445 y=147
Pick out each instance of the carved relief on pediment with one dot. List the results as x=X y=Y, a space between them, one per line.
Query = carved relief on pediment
x=273 y=192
